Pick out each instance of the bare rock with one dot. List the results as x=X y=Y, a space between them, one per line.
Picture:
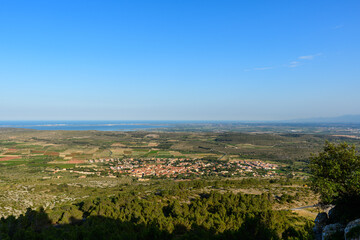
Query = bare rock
x=332 y=230
x=352 y=230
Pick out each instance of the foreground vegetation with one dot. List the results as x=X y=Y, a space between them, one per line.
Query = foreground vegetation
x=336 y=177
x=161 y=216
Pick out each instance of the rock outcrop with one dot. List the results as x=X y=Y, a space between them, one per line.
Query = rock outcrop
x=325 y=231
x=320 y=222
x=332 y=231
x=352 y=230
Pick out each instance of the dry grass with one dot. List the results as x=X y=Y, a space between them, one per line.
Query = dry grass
x=306 y=213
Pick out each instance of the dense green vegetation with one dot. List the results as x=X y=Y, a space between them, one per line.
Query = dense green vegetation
x=127 y=216
x=336 y=172
x=336 y=177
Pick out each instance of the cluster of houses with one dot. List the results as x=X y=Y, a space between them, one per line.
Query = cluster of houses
x=173 y=167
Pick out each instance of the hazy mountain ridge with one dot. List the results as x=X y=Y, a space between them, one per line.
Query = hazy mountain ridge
x=339 y=119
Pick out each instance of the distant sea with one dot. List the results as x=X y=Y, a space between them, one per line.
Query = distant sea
x=86 y=125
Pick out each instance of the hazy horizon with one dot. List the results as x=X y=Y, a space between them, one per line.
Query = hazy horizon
x=346 y=116
x=187 y=60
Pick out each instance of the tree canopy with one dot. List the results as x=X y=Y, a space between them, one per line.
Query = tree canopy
x=211 y=215
x=336 y=173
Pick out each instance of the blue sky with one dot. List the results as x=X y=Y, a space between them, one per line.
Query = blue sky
x=178 y=60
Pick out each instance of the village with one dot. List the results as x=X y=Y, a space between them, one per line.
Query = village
x=185 y=167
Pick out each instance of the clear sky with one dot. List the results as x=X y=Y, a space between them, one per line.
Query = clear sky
x=179 y=59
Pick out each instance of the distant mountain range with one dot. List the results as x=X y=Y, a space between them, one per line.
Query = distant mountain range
x=339 y=119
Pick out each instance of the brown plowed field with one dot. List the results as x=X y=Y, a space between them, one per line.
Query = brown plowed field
x=7 y=158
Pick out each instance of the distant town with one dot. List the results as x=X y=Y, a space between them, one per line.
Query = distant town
x=185 y=167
